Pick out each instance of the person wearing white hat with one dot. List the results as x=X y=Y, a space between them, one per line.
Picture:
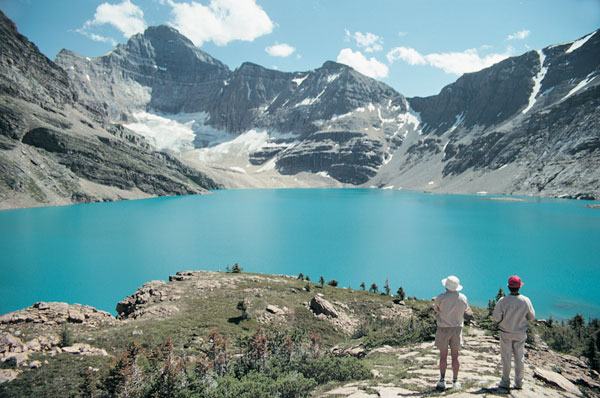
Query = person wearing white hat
x=450 y=308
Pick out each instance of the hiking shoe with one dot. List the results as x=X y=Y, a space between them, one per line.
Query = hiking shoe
x=456 y=385
x=441 y=385
x=503 y=386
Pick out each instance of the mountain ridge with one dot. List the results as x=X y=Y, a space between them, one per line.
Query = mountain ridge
x=359 y=131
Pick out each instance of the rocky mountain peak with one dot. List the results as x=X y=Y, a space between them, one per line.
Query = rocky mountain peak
x=331 y=66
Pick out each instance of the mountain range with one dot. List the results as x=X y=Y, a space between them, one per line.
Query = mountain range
x=527 y=125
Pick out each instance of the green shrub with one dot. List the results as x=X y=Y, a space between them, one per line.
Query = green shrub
x=333 y=283
x=66 y=336
x=329 y=368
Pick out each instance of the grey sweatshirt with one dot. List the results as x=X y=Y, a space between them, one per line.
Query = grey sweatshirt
x=512 y=313
x=450 y=308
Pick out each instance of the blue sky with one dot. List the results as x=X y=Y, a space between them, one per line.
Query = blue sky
x=415 y=46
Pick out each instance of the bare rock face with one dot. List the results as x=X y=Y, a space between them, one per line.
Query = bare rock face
x=150 y=292
x=556 y=379
x=53 y=313
x=320 y=306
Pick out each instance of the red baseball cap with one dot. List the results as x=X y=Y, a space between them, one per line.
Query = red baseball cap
x=514 y=281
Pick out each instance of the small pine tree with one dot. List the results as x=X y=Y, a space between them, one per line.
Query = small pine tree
x=227 y=269
x=592 y=355
x=242 y=305
x=300 y=276
x=307 y=278
x=374 y=288
x=500 y=294
x=66 y=336
x=386 y=287
x=236 y=269
x=363 y=286
x=321 y=280
x=401 y=293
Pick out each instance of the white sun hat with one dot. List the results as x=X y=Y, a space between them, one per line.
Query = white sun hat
x=452 y=283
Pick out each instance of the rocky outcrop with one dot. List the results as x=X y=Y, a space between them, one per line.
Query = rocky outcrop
x=112 y=162
x=320 y=306
x=52 y=313
x=556 y=379
x=135 y=305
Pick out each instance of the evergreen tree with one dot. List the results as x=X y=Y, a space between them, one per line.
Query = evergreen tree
x=592 y=354
x=401 y=293
x=301 y=276
x=386 y=287
x=374 y=288
x=242 y=305
x=363 y=286
x=236 y=269
x=500 y=294
x=321 y=280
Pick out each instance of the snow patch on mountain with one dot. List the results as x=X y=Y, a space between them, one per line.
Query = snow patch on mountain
x=243 y=145
x=537 y=82
x=578 y=43
x=299 y=80
x=580 y=85
x=164 y=133
x=176 y=133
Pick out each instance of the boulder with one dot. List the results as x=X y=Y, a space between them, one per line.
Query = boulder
x=7 y=375
x=18 y=358
x=35 y=364
x=319 y=306
x=34 y=345
x=273 y=309
x=8 y=342
x=556 y=379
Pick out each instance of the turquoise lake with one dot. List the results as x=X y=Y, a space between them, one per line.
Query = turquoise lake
x=97 y=254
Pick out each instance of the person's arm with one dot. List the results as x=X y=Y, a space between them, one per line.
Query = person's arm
x=498 y=313
x=530 y=311
x=436 y=304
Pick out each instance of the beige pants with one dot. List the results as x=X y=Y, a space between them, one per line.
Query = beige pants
x=512 y=344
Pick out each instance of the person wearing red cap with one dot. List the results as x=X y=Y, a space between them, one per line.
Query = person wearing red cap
x=450 y=308
x=511 y=313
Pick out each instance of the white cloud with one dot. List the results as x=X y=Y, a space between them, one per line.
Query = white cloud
x=280 y=50
x=409 y=55
x=463 y=62
x=454 y=62
x=370 y=67
x=102 y=39
x=519 y=35
x=369 y=41
x=126 y=17
x=221 y=21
